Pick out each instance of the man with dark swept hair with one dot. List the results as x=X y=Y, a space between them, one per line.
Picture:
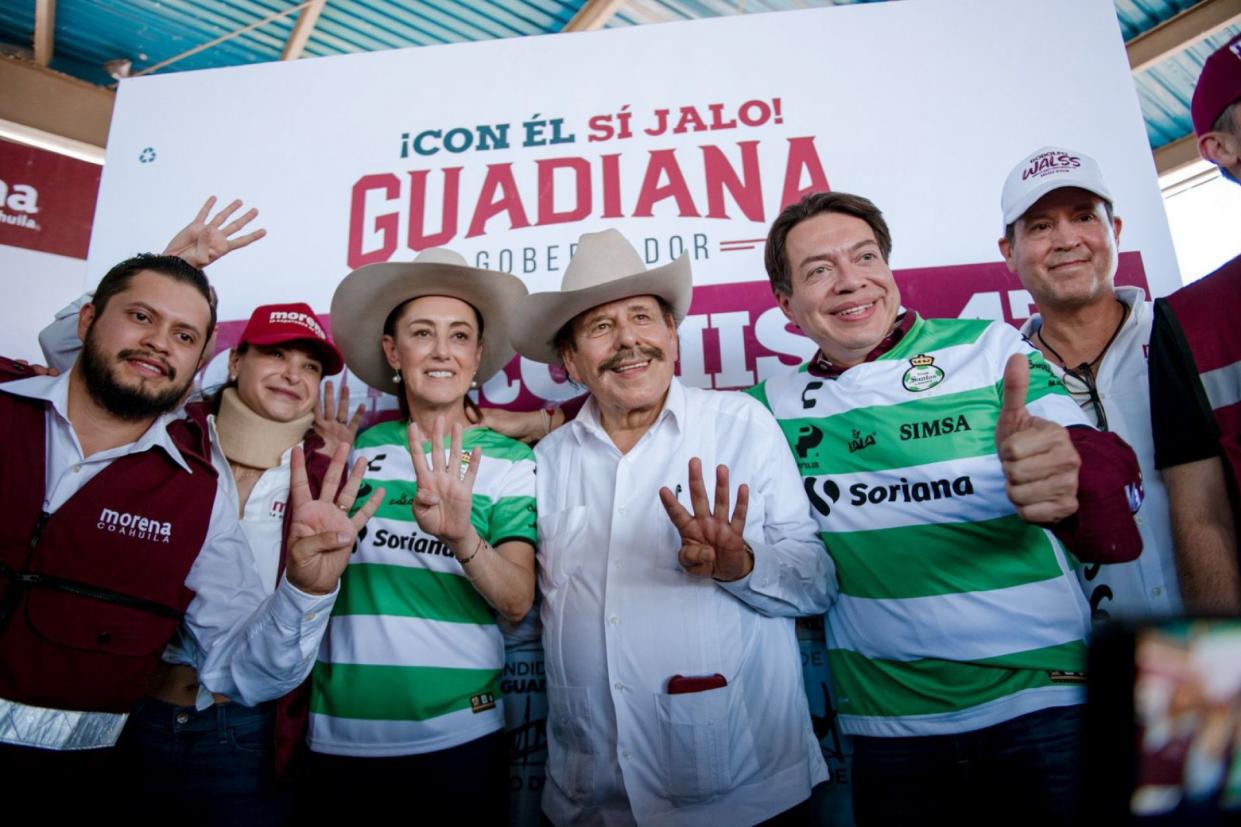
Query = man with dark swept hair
x=117 y=535
x=811 y=205
x=948 y=492
x=174 y=267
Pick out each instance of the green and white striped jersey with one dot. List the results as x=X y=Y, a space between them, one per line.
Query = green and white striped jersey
x=412 y=658
x=954 y=613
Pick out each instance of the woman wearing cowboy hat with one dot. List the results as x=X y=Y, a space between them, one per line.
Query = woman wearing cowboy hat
x=405 y=696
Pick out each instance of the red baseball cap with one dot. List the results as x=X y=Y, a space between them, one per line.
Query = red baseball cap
x=278 y=324
x=1219 y=86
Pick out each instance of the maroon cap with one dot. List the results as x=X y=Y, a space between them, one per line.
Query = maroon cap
x=278 y=324
x=1218 y=86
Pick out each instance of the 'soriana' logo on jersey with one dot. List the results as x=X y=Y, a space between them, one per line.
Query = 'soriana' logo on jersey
x=922 y=374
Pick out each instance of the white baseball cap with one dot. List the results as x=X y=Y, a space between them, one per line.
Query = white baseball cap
x=1047 y=169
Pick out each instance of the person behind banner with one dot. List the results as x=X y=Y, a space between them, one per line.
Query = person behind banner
x=119 y=534
x=673 y=671
x=1060 y=238
x=405 y=697
x=1195 y=373
x=957 y=641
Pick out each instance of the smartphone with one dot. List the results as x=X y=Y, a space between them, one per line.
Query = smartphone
x=1163 y=740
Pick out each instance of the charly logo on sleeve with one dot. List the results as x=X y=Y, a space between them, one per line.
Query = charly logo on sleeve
x=134 y=525
x=922 y=374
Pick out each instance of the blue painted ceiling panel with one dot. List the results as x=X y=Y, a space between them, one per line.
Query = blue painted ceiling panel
x=91 y=32
x=1166 y=89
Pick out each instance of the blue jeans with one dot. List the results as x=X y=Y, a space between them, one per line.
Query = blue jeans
x=1023 y=771
x=210 y=767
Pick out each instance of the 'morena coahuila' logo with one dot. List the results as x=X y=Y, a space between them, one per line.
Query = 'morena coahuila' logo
x=922 y=374
x=300 y=319
x=134 y=525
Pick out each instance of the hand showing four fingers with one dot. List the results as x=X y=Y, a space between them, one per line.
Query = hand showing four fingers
x=322 y=533
x=712 y=544
x=445 y=496
x=202 y=241
x=331 y=415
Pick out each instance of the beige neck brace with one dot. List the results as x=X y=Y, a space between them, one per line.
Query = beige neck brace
x=253 y=440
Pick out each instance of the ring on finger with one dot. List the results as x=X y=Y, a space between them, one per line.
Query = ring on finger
x=342 y=506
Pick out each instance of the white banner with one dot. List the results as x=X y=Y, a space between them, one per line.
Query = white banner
x=683 y=136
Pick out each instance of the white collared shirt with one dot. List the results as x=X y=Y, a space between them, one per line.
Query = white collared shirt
x=262 y=518
x=621 y=617
x=245 y=644
x=1147 y=586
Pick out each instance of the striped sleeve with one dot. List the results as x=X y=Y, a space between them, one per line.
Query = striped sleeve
x=514 y=515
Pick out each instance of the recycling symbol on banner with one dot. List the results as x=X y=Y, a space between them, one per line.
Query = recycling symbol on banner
x=147 y=156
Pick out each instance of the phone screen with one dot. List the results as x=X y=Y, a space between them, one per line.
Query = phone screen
x=1187 y=710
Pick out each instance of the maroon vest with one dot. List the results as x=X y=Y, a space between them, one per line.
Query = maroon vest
x=91 y=595
x=1208 y=313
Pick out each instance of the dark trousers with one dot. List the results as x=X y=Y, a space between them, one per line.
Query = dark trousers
x=212 y=767
x=1023 y=771
x=44 y=786
x=466 y=785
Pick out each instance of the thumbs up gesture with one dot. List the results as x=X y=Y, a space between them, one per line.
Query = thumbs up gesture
x=1039 y=461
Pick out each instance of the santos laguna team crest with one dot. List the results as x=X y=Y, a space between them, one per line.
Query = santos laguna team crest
x=922 y=374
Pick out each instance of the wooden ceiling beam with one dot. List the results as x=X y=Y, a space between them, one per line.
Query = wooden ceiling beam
x=302 y=30
x=37 y=97
x=44 y=31
x=1191 y=26
x=593 y=15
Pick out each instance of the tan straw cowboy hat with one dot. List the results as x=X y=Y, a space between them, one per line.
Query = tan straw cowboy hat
x=605 y=268
x=364 y=299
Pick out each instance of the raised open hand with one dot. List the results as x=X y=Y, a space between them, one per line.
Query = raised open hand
x=711 y=541
x=445 y=484
x=330 y=418
x=201 y=241
x=322 y=532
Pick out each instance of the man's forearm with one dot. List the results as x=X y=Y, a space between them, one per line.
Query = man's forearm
x=1204 y=536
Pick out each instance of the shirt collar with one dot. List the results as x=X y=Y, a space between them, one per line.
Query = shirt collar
x=54 y=390
x=588 y=420
x=821 y=366
x=1131 y=296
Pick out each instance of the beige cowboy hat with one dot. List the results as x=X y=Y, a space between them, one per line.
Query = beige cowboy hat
x=364 y=299
x=605 y=268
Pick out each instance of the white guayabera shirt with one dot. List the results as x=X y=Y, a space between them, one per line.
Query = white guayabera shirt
x=621 y=617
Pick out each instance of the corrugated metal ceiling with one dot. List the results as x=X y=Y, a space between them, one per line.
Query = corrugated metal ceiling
x=91 y=32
